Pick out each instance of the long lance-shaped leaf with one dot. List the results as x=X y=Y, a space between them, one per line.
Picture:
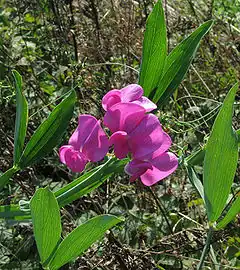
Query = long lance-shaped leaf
x=89 y=181
x=46 y=222
x=154 y=50
x=231 y=214
x=81 y=239
x=221 y=159
x=21 y=118
x=77 y=188
x=49 y=133
x=178 y=62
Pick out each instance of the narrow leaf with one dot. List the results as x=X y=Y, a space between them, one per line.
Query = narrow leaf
x=221 y=157
x=81 y=239
x=154 y=50
x=21 y=118
x=46 y=222
x=5 y=177
x=178 y=62
x=195 y=181
x=89 y=181
x=82 y=185
x=49 y=133
x=231 y=214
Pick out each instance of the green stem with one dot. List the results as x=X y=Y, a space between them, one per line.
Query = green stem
x=206 y=248
x=162 y=209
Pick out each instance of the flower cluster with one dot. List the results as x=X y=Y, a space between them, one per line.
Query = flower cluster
x=134 y=131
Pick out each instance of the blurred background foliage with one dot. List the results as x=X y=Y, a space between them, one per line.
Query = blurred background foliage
x=94 y=46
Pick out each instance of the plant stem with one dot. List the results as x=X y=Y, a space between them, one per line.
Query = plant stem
x=206 y=248
x=162 y=209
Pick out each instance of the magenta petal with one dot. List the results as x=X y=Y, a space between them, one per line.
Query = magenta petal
x=120 y=141
x=96 y=145
x=86 y=123
x=62 y=151
x=131 y=92
x=136 y=168
x=146 y=103
x=74 y=159
x=148 y=137
x=111 y=98
x=123 y=117
x=163 y=166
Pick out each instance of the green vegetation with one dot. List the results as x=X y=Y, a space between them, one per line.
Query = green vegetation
x=69 y=54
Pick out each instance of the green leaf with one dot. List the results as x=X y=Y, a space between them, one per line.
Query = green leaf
x=4 y=178
x=195 y=181
x=46 y=222
x=82 y=238
x=82 y=185
x=89 y=181
x=49 y=133
x=221 y=157
x=21 y=118
x=178 y=62
x=154 y=50
x=231 y=214
x=13 y=212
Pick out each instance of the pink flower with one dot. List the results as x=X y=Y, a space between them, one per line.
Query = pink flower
x=88 y=143
x=132 y=93
x=141 y=135
x=134 y=131
x=153 y=168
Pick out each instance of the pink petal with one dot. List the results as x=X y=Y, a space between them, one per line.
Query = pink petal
x=74 y=159
x=120 y=141
x=131 y=92
x=146 y=103
x=111 y=98
x=123 y=117
x=96 y=145
x=148 y=137
x=86 y=124
x=163 y=166
x=136 y=168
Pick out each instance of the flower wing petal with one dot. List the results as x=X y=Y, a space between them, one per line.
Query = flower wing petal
x=74 y=159
x=123 y=117
x=86 y=124
x=163 y=166
x=120 y=141
x=146 y=103
x=148 y=137
x=96 y=145
x=131 y=92
x=136 y=168
x=111 y=98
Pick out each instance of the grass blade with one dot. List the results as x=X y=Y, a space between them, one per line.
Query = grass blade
x=82 y=238
x=178 y=62
x=154 y=50
x=231 y=214
x=21 y=118
x=221 y=157
x=49 y=132
x=46 y=222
